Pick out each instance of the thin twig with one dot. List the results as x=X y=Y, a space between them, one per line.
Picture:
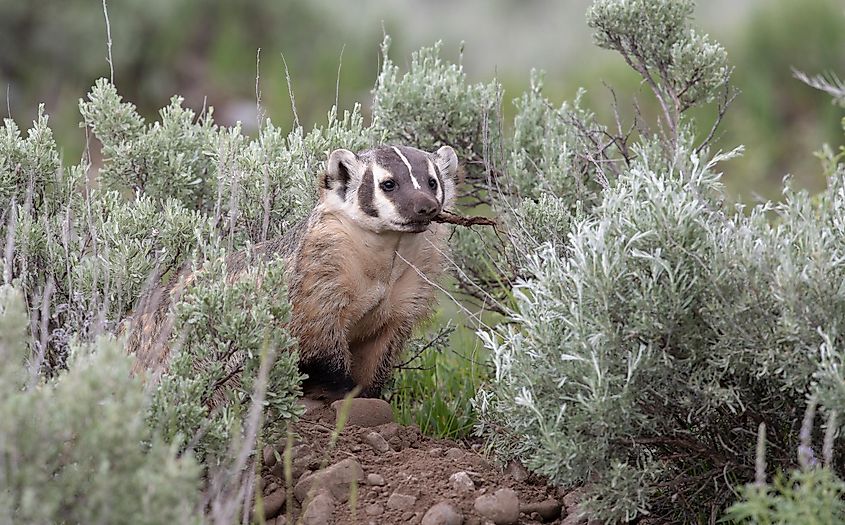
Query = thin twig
x=259 y=114
x=290 y=92
x=108 y=35
x=337 y=84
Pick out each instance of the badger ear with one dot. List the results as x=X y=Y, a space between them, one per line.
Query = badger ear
x=343 y=168
x=447 y=164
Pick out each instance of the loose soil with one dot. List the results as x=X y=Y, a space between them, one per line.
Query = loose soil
x=403 y=474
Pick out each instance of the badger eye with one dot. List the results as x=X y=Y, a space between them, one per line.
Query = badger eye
x=388 y=185
x=432 y=183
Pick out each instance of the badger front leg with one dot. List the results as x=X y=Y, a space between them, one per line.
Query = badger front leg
x=320 y=326
x=373 y=359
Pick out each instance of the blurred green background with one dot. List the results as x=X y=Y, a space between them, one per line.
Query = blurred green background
x=51 y=51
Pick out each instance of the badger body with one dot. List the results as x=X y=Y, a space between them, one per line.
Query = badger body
x=361 y=269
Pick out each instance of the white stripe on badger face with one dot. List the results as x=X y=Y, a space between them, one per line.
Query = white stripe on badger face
x=386 y=209
x=410 y=171
x=433 y=174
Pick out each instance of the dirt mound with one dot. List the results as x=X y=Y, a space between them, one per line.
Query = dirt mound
x=376 y=471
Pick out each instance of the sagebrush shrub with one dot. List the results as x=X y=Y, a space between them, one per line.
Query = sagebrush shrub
x=77 y=448
x=222 y=330
x=84 y=247
x=658 y=327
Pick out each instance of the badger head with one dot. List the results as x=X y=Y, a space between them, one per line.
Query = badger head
x=391 y=188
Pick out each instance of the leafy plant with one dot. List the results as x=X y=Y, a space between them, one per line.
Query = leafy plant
x=77 y=448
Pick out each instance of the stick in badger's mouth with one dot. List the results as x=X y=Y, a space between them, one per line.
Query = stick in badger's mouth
x=460 y=220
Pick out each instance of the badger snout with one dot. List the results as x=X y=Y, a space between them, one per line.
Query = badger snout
x=425 y=208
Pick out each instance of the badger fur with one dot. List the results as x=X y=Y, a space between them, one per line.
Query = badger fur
x=361 y=268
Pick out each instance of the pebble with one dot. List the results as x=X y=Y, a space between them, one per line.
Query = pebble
x=319 y=510
x=389 y=430
x=454 y=453
x=577 y=516
x=269 y=455
x=334 y=479
x=461 y=482
x=398 y=501
x=375 y=479
x=299 y=465
x=364 y=412
x=501 y=507
x=273 y=503
x=444 y=513
x=548 y=510
x=517 y=471
x=374 y=509
x=377 y=441
x=572 y=498
x=435 y=452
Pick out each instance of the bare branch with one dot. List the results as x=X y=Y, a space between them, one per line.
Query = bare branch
x=453 y=218
x=108 y=42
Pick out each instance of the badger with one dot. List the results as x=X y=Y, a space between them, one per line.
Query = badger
x=361 y=269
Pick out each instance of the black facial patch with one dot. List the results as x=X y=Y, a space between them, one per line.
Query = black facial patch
x=365 y=194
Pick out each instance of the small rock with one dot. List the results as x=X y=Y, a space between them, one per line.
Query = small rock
x=364 y=412
x=501 y=507
x=377 y=441
x=388 y=430
x=398 y=501
x=300 y=464
x=319 y=510
x=335 y=479
x=517 y=471
x=374 y=510
x=273 y=503
x=454 y=453
x=576 y=516
x=435 y=452
x=444 y=513
x=375 y=479
x=573 y=519
x=269 y=456
x=461 y=482
x=572 y=498
x=548 y=510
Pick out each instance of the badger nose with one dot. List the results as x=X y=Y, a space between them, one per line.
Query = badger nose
x=426 y=208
